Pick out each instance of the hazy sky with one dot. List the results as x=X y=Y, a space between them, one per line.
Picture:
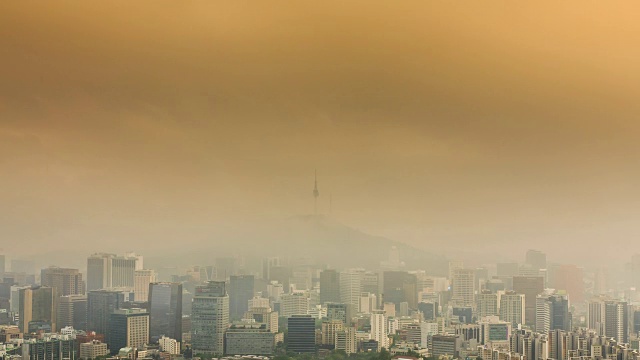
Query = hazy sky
x=467 y=123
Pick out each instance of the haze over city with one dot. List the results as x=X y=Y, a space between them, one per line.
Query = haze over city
x=489 y=127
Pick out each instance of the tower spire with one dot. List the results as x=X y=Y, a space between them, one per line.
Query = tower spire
x=316 y=193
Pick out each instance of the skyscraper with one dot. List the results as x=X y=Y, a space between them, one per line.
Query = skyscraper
x=100 y=305
x=512 y=306
x=379 y=329
x=65 y=281
x=531 y=287
x=109 y=271
x=241 y=290
x=142 y=280
x=72 y=311
x=165 y=310
x=463 y=291
x=38 y=306
x=129 y=328
x=487 y=304
x=616 y=319
x=209 y=318
x=329 y=286
x=400 y=286
x=350 y=287
x=301 y=334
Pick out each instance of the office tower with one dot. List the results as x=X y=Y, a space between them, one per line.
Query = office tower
x=282 y=275
x=3 y=264
x=294 y=304
x=338 y=311
x=346 y=340
x=558 y=345
x=249 y=339
x=455 y=265
x=379 y=330
x=512 y=306
x=240 y=292
x=263 y=315
x=531 y=287
x=368 y=303
x=552 y=312
x=400 y=286
x=596 y=315
x=209 y=318
x=301 y=334
x=93 y=349
x=110 y=271
x=141 y=281
x=267 y=264
x=275 y=290
x=350 y=287
x=100 y=305
x=371 y=283
x=49 y=347
x=38 y=309
x=123 y=270
x=301 y=277
x=569 y=277
x=139 y=265
x=507 y=269
x=537 y=259
x=463 y=288
x=486 y=304
x=65 y=281
x=329 y=286
x=329 y=329
x=165 y=310
x=128 y=328
x=616 y=318
x=72 y=311
x=429 y=310
x=445 y=345
x=99 y=271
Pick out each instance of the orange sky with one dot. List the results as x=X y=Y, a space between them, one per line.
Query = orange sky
x=485 y=123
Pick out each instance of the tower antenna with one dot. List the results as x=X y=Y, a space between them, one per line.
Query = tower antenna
x=316 y=193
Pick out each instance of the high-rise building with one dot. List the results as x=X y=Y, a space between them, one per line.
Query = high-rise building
x=241 y=290
x=50 y=347
x=512 y=307
x=486 y=304
x=368 y=303
x=38 y=309
x=569 y=277
x=267 y=264
x=463 y=288
x=100 y=305
x=329 y=330
x=379 y=331
x=400 y=286
x=141 y=281
x=3 y=264
x=596 y=315
x=72 y=311
x=338 y=311
x=346 y=340
x=329 y=286
x=165 y=310
x=128 y=328
x=294 y=304
x=536 y=259
x=350 y=287
x=301 y=334
x=110 y=271
x=65 y=281
x=531 y=287
x=209 y=318
x=93 y=349
x=282 y=275
x=371 y=283
x=616 y=319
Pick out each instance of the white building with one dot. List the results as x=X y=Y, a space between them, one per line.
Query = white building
x=350 y=287
x=172 y=346
x=379 y=329
x=512 y=308
x=141 y=281
x=368 y=303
